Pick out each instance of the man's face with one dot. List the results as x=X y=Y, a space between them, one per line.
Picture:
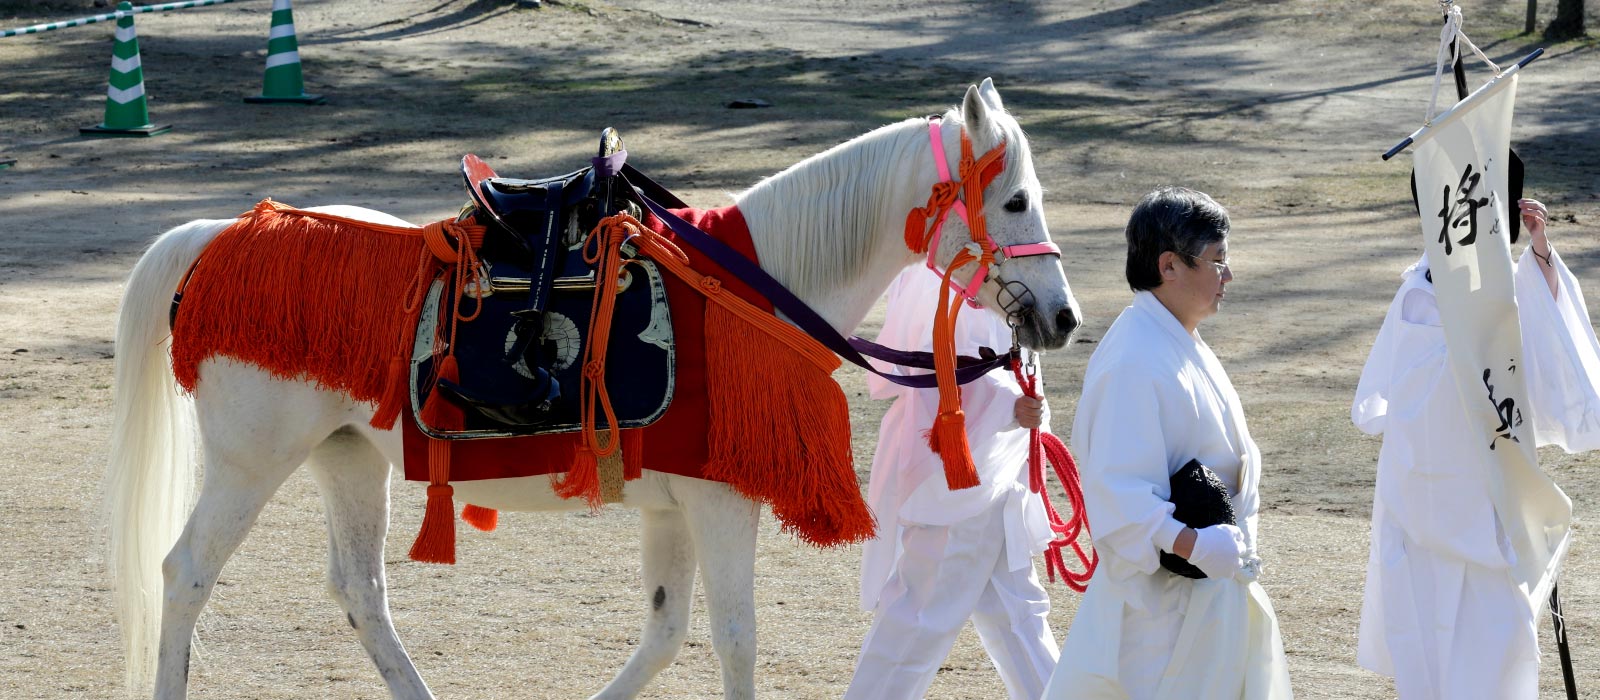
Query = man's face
x=1197 y=291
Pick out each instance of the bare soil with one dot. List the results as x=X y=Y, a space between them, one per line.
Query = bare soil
x=1279 y=109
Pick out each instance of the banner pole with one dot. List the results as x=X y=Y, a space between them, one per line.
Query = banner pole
x=1413 y=137
x=1559 y=618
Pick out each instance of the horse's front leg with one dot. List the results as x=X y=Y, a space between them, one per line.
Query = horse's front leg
x=723 y=525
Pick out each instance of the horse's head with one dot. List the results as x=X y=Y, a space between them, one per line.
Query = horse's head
x=1029 y=289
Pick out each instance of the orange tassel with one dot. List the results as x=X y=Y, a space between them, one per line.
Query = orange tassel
x=583 y=479
x=389 y=406
x=780 y=432
x=948 y=436
x=436 y=543
x=948 y=439
x=485 y=519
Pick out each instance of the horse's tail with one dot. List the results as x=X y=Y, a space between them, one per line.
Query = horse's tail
x=150 y=476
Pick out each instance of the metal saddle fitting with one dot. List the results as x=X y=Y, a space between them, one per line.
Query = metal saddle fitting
x=537 y=227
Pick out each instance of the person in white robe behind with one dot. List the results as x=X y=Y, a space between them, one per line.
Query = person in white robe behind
x=1154 y=398
x=1441 y=613
x=940 y=556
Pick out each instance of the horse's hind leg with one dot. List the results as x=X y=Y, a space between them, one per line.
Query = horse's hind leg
x=238 y=483
x=354 y=479
x=723 y=525
x=668 y=571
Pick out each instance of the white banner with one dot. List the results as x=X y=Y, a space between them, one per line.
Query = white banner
x=1461 y=162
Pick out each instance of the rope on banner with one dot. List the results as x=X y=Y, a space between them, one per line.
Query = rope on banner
x=1449 y=50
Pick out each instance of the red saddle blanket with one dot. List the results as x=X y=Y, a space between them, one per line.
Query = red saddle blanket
x=676 y=442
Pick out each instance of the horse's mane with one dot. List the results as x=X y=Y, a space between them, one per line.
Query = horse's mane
x=831 y=206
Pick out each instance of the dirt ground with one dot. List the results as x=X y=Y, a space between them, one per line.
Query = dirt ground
x=1279 y=109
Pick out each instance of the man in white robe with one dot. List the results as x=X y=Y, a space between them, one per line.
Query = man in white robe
x=942 y=557
x=1155 y=397
x=1441 y=613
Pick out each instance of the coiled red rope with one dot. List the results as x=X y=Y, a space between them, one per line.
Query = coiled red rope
x=1044 y=446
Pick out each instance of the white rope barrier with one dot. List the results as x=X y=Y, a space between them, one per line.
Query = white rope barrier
x=119 y=14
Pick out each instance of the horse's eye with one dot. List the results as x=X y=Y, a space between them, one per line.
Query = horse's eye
x=1018 y=203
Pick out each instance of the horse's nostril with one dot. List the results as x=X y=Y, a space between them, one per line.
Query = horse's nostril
x=1066 y=321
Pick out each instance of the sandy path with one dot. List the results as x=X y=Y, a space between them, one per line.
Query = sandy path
x=1278 y=109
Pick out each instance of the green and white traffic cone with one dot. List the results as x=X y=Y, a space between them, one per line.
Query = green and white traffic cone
x=282 y=83
x=127 y=113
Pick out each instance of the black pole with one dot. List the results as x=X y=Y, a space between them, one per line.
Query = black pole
x=1561 y=642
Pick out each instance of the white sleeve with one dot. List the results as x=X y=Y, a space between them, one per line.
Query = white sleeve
x=1119 y=441
x=1369 y=410
x=1561 y=355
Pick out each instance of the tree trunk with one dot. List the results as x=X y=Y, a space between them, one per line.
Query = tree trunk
x=1568 y=23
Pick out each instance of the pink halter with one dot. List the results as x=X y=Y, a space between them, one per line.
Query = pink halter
x=970 y=292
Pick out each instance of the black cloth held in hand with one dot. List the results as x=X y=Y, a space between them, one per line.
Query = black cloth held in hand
x=1202 y=501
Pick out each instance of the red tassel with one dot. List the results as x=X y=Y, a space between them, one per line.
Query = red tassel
x=583 y=479
x=388 y=410
x=632 y=454
x=485 y=519
x=436 y=543
x=948 y=439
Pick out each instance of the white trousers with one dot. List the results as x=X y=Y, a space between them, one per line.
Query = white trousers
x=1453 y=630
x=946 y=575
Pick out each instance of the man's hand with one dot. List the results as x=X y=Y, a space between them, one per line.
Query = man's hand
x=1534 y=218
x=1218 y=551
x=1029 y=412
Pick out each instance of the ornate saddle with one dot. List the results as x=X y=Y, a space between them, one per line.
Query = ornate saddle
x=522 y=326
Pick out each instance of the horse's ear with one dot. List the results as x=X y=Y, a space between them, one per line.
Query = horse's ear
x=989 y=94
x=974 y=111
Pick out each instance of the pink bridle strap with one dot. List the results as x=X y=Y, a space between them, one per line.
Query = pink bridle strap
x=970 y=292
x=937 y=143
x=1023 y=250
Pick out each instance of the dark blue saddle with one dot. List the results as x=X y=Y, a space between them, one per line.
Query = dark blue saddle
x=520 y=359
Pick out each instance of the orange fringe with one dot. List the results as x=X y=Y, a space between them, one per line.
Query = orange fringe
x=780 y=430
x=301 y=296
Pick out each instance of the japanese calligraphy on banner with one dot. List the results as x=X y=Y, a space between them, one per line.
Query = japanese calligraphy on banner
x=1461 y=179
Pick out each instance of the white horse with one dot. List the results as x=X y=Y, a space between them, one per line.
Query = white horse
x=848 y=204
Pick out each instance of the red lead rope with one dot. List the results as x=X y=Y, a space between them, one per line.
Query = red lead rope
x=1042 y=446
